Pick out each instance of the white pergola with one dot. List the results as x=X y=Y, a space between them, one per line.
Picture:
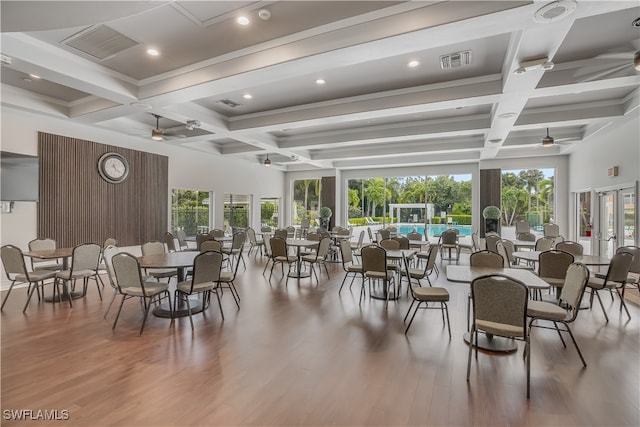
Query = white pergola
x=395 y=209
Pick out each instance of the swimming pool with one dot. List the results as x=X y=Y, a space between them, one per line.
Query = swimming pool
x=435 y=229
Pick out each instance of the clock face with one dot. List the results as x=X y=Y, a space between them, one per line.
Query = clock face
x=113 y=167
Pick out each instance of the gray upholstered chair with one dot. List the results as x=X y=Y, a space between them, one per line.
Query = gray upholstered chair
x=157 y=248
x=169 y=241
x=349 y=267
x=217 y=233
x=254 y=242
x=319 y=258
x=633 y=277
x=527 y=237
x=202 y=238
x=552 y=267
x=574 y=248
x=522 y=227
x=425 y=295
x=449 y=241
x=227 y=279
x=16 y=271
x=566 y=311
x=486 y=259
x=544 y=244
x=422 y=273
x=404 y=242
x=281 y=233
x=204 y=280
x=211 y=245
x=616 y=278
x=383 y=233
x=500 y=309
x=375 y=267
x=84 y=265
x=130 y=284
x=491 y=241
x=390 y=244
x=509 y=248
x=44 y=264
x=280 y=255
x=550 y=230
x=234 y=252
x=182 y=239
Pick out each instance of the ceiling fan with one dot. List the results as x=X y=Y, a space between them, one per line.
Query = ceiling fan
x=549 y=141
x=610 y=64
x=160 y=134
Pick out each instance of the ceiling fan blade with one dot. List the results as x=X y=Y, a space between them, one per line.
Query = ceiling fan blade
x=602 y=74
x=624 y=56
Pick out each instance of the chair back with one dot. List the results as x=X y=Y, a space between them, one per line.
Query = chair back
x=509 y=249
x=238 y=240
x=323 y=248
x=491 y=241
x=280 y=233
x=449 y=237
x=619 y=267
x=404 y=242
x=206 y=268
x=182 y=238
x=374 y=258
x=267 y=246
x=414 y=235
x=575 y=283
x=371 y=239
x=502 y=251
x=501 y=300
x=265 y=229
x=390 y=244
x=476 y=242
x=305 y=223
x=392 y=229
x=344 y=232
x=431 y=260
x=251 y=235
x=201 y=238
x=314 y=235
x=384 y=233
x=635 y=263
x=360 y=239
x=127 y=272
x=527 y=237
x=291 y=231
x=107 y=254
x=13 y=261
x=210 y=245
x=41 y=245
x=169 y=240
x=216 y=232
x=486 y=259
x=152 y=248
x=345 y=251
x=544 y=244
x=86 y=256
x=522 y=227
x=109 y=241
x=554 y=264
x=574 y=248
x=551 y=230
x=278 y=247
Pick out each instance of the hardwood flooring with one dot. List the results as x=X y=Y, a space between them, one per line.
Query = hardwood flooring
x=302 y=355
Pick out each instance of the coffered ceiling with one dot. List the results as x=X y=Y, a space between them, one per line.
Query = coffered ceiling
x=88 y=62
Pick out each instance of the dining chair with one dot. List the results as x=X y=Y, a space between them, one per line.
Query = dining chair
x=500 y=309
x=280 y=255
x=449 y=241
x=211 y=245
x=130 y=284
x=157 y=248
x=265 y=229
x=422 y=273
x=356 y=246
x=291 y=232
x=16 y=271
x=544 y=244
x=550 y=230
x=491 y=241
x=375 y=267
x=319 y=258
x=227 y=279
x=509 y=249
x=553 y=266
x=169 y=241
x=633 y=277
x=526 y=237
x=234 y=252
x=486 y=259
x=370 y=233
x=390 y=244
x=216 y=233
x=574 y=248
x=425 y=295
x=182 y=240
x=102 y=267
x=202 y=238
x=204 y=281
x=522 y=227
x=281 y=233
x=349 y=267
x=404 y=241
x=84 y=265
x=254 y=242
x=267 y=253
x=615 y=279
x=568 y=306
x=44 y=264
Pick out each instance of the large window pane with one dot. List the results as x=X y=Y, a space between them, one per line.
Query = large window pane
x=269 y=211
x=306 y=199
x=449 y=198
x=190 y=211
x=236 y=212
x=528 y=195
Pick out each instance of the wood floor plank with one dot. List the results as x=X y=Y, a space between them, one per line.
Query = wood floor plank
x=300 y=354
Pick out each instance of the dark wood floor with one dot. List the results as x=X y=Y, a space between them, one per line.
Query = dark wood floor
x=303 y=356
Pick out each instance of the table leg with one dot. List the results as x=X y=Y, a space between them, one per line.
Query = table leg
x=298 y=274
x=493 y=343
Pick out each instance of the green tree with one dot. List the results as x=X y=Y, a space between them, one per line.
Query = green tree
x=354 y=198
x=531 y=179
x=375 y=193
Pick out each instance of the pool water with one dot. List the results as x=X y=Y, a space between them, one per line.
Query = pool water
x=435 y=229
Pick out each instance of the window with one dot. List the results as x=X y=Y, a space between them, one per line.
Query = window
x=306 y=199
x=528 y=195
x=269 y=211
x=236 y=212
x=584 y=220
x=191 y=211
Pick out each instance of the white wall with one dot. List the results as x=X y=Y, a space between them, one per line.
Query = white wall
x=187 y=169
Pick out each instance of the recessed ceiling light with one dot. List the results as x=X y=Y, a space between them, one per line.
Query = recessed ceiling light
x=141 y=106
x=320 y=81
x=554 y=11
x=34 y=76
x=153 y=52
x=413 y=63
x=242 y=20
x=247 y=96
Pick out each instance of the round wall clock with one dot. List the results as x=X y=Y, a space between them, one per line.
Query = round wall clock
x=113 y=167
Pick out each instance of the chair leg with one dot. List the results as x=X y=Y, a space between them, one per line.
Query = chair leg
x=147 y=305
x=408 y=311
x=446 y=310
x=115 y=292
x=527 y=348
x=35 y=287
x=470 y=350
x=119 y=310
x=412 y=317
x=584 y=363
x=219 y=304
x=602 y=306
x=6 y=297
x=622 y=303
x=342 y=284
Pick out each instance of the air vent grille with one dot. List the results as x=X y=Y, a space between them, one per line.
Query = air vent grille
x=455 y=60
x=100 y=41
x=229 y=103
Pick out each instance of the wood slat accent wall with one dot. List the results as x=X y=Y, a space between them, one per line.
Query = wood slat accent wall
x=76 y=205
x=490 y=192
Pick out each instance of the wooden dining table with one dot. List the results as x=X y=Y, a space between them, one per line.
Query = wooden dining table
x=466 y=274
x=181 y=261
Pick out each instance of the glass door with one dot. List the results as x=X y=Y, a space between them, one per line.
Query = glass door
x=608 y=223
x=628 y=202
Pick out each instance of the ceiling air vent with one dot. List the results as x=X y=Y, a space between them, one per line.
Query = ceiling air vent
x=100 y=41
x=229 y=103
x=454 y=60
